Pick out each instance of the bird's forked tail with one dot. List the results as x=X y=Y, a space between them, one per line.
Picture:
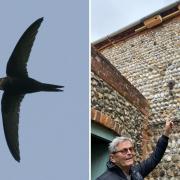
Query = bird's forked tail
x=51 y=87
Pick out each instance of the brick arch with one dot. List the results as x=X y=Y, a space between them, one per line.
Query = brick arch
x=105 y=121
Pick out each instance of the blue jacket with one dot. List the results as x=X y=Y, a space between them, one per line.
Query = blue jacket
x=138 y=171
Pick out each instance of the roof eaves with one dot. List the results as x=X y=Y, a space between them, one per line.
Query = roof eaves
x=131 y=28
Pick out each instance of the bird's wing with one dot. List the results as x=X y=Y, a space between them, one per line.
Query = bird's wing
x=16 y=66
x=10 y=107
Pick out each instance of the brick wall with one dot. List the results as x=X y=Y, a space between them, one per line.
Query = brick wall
x=150 y=60
x=113 y=105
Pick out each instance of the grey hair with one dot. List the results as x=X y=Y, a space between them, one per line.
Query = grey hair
x=116 y=141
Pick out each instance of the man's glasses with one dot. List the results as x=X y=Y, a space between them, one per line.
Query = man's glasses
x=125 y=150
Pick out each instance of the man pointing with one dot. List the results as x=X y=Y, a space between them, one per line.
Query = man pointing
x=121 y=158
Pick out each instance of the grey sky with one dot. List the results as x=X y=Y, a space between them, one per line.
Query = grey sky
x=53 y=130
x=110 y=16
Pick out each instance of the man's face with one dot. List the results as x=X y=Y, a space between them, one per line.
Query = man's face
x=124 y=155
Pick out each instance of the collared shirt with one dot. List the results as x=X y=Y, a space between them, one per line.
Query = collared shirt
x=128 y=177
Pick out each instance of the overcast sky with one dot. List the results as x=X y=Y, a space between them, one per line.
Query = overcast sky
x=108 y=16
x=53 y=129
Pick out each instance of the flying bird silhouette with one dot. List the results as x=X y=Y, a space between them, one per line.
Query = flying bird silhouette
x=17 y=84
